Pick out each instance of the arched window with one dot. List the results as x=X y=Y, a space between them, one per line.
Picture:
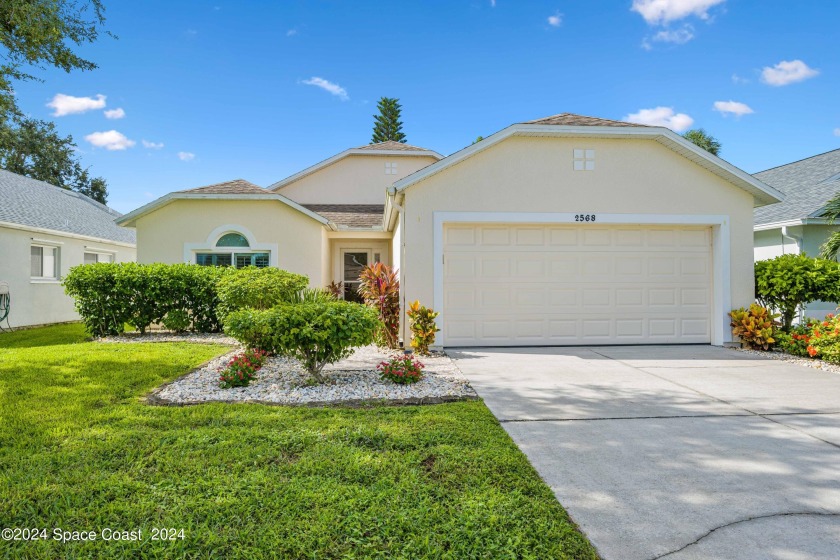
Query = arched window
x=232 y=240
x=233 y=249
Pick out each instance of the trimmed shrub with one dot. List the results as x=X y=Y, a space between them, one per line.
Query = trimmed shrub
x=257 y=288
x=790 y=281
x=97 y=298
x=177 y=320
x=423 y=327
x=755 y=326
x=316 y=334
x=823 y=339
x=380 y=289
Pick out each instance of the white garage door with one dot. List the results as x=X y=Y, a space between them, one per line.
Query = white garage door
x=524 y=284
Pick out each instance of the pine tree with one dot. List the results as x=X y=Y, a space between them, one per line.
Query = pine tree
x=387 y=124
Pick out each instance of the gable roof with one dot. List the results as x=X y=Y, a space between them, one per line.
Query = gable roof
x=389 y=148
x=572 y=119
x=238 y=189
x=237 y=186
x=807 y=184
x=36 y=204
x=351 y=216
x=604 y=128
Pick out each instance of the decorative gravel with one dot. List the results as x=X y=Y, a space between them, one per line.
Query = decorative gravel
x=352 y=381
x=783 y=356
x=194 y=338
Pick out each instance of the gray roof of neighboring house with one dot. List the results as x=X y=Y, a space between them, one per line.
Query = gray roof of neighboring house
x=807 y=184
x=350 y=215
x=571 y=119
x=33 y=203
x=237 y=186
x=391 y=145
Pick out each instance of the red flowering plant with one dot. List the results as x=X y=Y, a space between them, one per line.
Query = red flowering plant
x=242 y=369
x=402 y=369
x=798 y=341
x=824 y=339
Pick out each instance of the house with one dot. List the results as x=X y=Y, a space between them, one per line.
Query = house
x=44 y=231
x=795 y=225
x=560 y=231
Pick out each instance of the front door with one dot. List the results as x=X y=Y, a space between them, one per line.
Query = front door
x=353 y=261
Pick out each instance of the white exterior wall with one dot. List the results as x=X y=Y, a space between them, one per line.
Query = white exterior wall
x=40 y=302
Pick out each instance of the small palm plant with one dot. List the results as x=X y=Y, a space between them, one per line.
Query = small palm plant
x=380 y=289
x=831 y=212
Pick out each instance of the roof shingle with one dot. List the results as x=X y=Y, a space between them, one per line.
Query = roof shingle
x=33 y=203
x=237 y=186
x=571 y=119
x=807 y=184
x=393 y=146
x=351 y=215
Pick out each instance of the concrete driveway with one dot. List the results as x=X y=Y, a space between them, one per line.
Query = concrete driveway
x=676 y=452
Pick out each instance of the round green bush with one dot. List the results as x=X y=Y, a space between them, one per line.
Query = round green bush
x=257 y=288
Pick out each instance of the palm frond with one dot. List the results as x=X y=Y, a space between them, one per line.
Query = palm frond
x=831 y=210
x=831 y=247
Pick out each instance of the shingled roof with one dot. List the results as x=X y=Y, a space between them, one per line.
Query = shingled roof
x=392 y=146
x=237 y=186
x=350 y=215
x=807 y=184
x=36 y=204
x=571 y=119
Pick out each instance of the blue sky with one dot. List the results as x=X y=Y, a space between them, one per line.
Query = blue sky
x=212 y=91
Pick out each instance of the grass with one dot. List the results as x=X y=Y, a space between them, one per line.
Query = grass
x=80 y=451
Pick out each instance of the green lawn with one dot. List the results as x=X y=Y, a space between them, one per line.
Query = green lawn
x=80 y=451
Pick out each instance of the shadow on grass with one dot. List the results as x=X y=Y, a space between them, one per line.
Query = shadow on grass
x=53 y=335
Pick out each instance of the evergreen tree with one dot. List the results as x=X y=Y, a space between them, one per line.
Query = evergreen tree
x=387 y=124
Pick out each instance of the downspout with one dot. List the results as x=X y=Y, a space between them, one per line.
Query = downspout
x=798 y=240
x=392 y=192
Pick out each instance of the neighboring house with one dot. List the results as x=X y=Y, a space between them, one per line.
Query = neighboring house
x=44 y=231
x=795 y=225
x=560 y=231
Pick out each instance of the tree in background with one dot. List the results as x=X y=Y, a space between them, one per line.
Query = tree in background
x=478 y=139
x=831 y=212
x=701 y=138
x=36 y=34
x=387 y=124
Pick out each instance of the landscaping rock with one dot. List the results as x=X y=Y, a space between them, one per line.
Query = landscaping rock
x=167 y=336
x=352 y=381
x=807 y=362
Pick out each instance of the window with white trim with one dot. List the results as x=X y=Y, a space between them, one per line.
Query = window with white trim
x=584 y=160
x=390 y=168
x=93 y=258
x=44 y=262
x=232 y=249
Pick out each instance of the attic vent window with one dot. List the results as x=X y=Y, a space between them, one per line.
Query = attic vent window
x=584 y=160
x=390 y=168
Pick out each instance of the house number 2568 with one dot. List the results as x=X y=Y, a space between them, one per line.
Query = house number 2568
x=584 y=217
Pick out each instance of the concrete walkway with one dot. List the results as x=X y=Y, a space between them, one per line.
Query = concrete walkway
x=677 y=452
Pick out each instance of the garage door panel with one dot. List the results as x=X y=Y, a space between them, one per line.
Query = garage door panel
x=531 y=284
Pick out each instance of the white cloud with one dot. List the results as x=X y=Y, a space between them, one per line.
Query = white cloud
x=110 y=140
x=787 y=72
x=733 y=108
x=678 y=36
x=492 y=3
x=555 y=20
x=291 y=32
x=147 y=194
x=736 y=79
x=662 y=12
x=837 y=132
x=152 y=145
x=328 y=86
x=69 y=105
x=186 y=156
x=661 y=116
x=117 y=113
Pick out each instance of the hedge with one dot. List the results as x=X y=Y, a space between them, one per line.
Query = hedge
x=109 y=295
x=257 y=288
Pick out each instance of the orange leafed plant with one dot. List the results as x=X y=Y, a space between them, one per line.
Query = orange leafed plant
x=755 y=326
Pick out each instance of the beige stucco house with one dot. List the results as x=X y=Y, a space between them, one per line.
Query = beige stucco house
x=561 y=231
x=44 y=231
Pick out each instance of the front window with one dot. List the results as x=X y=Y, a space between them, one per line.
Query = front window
x=44 y=262
x=232 y=250
x=93 y=258
x=354 y=263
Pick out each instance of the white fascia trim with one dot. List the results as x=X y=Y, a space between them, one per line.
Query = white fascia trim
x=351 y=152
x=735 y=175
x=69 y=235
x=128 y=220
x=792 y=223
x=721 y=277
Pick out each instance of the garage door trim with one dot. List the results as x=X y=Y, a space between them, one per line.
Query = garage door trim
x=721 y=289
